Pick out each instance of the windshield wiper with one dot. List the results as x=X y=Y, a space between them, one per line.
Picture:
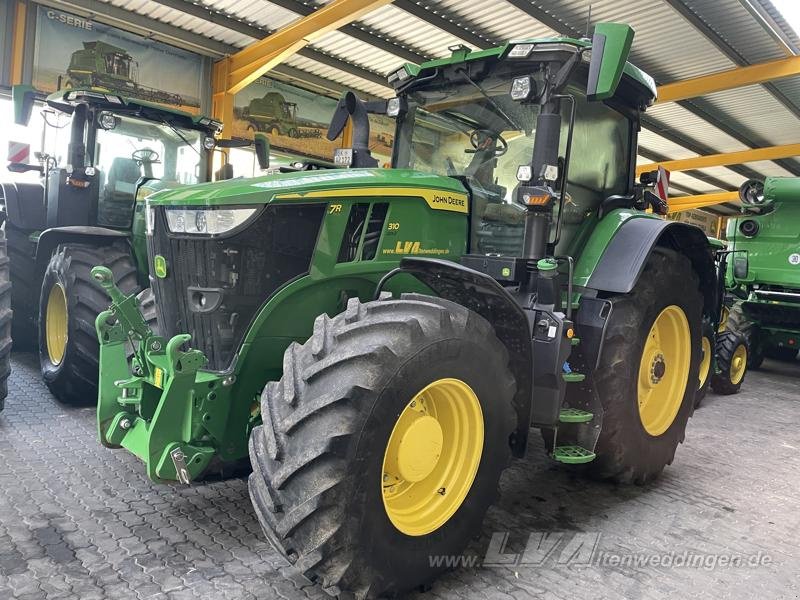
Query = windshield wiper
x=489 y=99
x=180 y=135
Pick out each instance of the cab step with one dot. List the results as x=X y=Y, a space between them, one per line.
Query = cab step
x=573 y=455
x=573 y=377
x=573 y=415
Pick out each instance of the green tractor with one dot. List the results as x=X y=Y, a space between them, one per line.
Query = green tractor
x=724 y=349
x=764 y=275
x=86 y=210
x=383 y=340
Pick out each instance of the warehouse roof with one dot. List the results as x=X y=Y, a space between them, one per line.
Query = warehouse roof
x=675 y=40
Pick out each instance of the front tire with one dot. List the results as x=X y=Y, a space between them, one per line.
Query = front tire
x=732 y=355
x=648 y=374
x=68 y=306
x=325 y=460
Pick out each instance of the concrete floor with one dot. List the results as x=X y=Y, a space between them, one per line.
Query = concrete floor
x=80 y=521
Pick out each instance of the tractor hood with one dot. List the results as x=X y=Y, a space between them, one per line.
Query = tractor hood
x=262 y=190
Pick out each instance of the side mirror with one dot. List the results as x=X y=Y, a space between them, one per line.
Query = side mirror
x=611 y=45
x=261 y=143
x=22 y=96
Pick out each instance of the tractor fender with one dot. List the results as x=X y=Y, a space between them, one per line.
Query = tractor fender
x=484 y=295
x=24 y=205
x=626 y=248
x=74 y=234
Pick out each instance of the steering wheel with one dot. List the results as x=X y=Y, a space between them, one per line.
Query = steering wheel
x=484 y=139
x=145 y=155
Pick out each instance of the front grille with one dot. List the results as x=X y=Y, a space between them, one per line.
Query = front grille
x=215 y=285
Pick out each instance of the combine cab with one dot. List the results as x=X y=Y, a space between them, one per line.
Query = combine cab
x=383 y=340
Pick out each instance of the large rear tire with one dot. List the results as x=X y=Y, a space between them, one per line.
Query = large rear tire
x=68 y=306
x=649 y=371
x=5 y=320
x=326 y=460
x=26 y=282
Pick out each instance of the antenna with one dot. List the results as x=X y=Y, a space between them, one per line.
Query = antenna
x=588 y=22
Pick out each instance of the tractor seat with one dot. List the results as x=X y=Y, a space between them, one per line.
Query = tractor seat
x=122 y=178
x=116 y=207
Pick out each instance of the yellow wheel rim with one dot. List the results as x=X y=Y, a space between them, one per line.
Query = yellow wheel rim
x=432 y=457
x=705 y=363
x=56 y=324
x=738 y=364
x=664 y=370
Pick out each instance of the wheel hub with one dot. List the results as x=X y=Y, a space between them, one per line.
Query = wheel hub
x=419 y=448
x=664 y=370
x=658 y=369
x=432 y=457
x=56 y=324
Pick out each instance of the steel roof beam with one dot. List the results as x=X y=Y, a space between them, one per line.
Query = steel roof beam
x=359 y=32
x=729 y=51
x=440 y=18
x=724 y=159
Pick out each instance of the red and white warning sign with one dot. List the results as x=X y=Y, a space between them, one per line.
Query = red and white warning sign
x=662 y=184
x=19 y=152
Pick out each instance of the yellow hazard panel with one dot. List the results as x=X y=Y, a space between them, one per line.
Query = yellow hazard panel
x=158 y=378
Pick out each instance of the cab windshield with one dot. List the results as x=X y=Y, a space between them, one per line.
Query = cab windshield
x=135 y=148
x=483 y=136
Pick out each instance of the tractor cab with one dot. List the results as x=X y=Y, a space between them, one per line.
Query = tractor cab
x=520 y=128
x=116 y=147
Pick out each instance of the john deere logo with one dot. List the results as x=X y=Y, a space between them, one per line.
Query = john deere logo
x=160 y=266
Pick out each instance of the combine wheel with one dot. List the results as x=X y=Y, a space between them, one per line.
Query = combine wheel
x=68 y=306
x=5 y=320
x=383 y=443
x=737 y=321
x=649 y=371
x=731 y=361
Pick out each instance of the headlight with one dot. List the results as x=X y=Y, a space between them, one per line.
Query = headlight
x=520 y=51
x=149 y=218
x=521 y=88
x=209 y=143
x=107 y=120
x=749 y=228
x=393 y=107
x=210 y=222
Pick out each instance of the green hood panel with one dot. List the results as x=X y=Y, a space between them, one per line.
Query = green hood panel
x=260 y=190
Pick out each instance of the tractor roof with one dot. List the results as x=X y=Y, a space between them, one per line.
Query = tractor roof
x=462 y=55
x=66 y=100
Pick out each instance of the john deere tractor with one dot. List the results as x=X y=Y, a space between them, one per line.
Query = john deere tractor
x=764 y=275
x=724 y=348
x=383 y=340
x=83 y=212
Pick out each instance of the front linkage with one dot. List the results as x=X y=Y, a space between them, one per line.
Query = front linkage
x=133 y=411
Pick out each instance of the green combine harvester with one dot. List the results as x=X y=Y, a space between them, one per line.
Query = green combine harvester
x=383 y=340
x=764 y=274
x=87 y=210
x=112 y=69
x=273 y=114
